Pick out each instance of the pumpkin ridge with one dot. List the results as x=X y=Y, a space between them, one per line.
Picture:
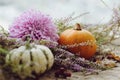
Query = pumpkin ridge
x=9 y=60
x=20 y=62
x=36 y=58
x=31 y=57
x=44 y=52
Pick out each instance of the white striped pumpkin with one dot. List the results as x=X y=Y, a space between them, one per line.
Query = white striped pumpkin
x=37 y=59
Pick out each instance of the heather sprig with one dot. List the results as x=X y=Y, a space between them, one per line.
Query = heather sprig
x=9 y=43
x=3 y=31
x=64 y=23
x=64 y=58
x=48 y=43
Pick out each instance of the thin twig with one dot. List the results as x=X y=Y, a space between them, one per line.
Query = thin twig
x=74 y=18
x=105 y=4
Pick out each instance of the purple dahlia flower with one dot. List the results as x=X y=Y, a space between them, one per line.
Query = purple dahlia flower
x=34 y=24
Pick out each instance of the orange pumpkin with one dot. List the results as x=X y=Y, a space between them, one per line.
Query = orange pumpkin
x=79 y=41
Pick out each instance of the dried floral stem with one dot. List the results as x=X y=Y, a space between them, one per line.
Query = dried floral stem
x=105 y=4
x=74 y=18
x=70 y=61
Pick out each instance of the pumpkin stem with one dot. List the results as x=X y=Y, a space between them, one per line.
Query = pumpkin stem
x=28 y=43
x=77 y=26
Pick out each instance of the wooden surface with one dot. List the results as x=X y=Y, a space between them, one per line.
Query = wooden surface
x=112 y=74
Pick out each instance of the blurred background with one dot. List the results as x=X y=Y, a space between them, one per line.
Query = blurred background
x=98 y=12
